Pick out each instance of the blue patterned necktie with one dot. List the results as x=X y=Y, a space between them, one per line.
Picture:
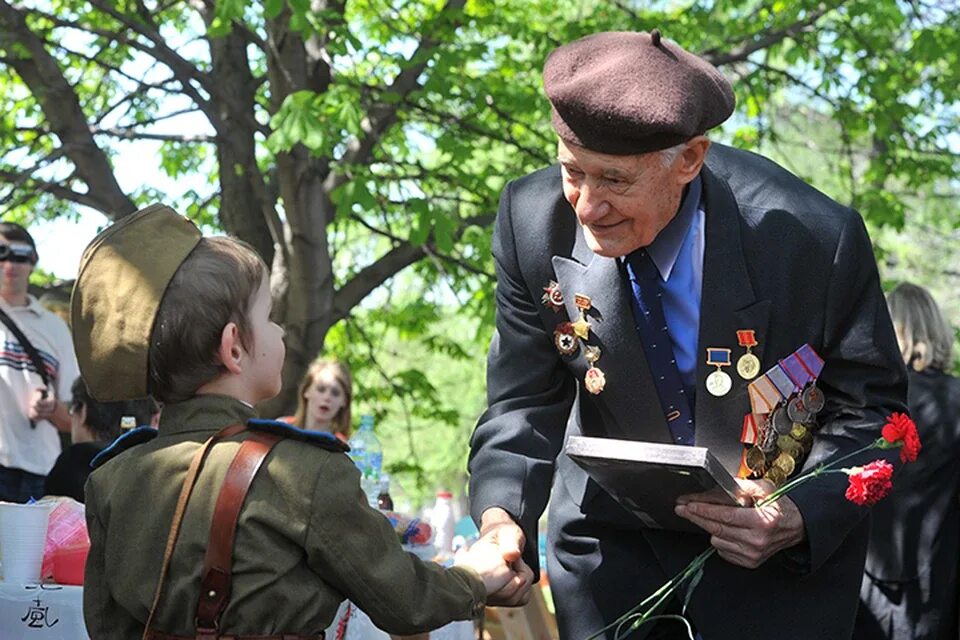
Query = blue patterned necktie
x=652 y=328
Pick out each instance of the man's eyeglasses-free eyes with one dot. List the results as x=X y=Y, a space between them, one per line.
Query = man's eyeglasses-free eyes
x=15 y=253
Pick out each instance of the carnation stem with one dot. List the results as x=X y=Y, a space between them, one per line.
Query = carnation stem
x=816 y=471
x=660 y=596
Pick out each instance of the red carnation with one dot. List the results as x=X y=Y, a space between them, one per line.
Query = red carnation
x=900 y=430
x=869 y=483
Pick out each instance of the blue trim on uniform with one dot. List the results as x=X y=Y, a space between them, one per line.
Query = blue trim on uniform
x=319 y=438
x=130 y=439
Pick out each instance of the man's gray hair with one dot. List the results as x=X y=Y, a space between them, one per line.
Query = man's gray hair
x=922 y=330
x=669 y=155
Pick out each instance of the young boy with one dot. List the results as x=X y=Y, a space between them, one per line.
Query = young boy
x=158 y=309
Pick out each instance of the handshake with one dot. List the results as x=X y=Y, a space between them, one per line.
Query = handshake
x=496 y=557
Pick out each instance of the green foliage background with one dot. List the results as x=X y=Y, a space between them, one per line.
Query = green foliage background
x=859 y=97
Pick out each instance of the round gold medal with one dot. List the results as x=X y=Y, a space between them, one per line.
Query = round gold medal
x=775 y=475
x=755 y=459
x=786 y=464
x=748 y=366
x=719 y=383
x=789 y=446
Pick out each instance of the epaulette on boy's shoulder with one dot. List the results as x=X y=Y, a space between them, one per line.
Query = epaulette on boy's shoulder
x=317 y=438
x=130 y=439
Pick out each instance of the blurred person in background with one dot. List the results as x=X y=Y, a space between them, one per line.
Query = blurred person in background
x=93 y=425
x=909 y=589
x=37 y=365
x=324 y=399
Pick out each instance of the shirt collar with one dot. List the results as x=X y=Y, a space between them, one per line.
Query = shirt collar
x=666 y=246
x=208 y=413
x=32 y=305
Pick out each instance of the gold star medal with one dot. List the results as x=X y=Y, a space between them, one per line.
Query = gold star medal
x=594 y=380
x=552 y=296
x=581 y=326
x=748 y=365
x=718 y=382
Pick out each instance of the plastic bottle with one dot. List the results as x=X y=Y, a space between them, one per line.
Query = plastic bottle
x=367 y=453
x=442 y=522
x=384 y=501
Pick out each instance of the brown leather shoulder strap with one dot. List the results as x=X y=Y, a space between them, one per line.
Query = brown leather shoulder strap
x=218 y=560
x=188 y=484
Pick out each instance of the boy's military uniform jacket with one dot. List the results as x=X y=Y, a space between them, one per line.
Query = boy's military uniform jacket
x=306 y=540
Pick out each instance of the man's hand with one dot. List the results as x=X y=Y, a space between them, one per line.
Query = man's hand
x=497 y=527
x=747 y=536
x=43 y=404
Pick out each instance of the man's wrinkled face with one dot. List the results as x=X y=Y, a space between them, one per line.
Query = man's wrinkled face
x=621 y=202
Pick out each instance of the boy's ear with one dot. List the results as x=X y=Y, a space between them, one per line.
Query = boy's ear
x=231 y=349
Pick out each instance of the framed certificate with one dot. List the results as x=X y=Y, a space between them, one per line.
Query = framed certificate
x=648 y=477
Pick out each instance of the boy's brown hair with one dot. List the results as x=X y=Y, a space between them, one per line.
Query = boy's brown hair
x=214 y=286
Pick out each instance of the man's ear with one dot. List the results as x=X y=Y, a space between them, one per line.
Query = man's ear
x=231 y=350
x=692 y=158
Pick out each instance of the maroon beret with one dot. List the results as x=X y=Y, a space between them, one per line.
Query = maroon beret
x=624 y=93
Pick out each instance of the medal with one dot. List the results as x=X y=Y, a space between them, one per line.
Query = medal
x=798 y=432
x=748 y=365
x=785 y=463
x=813 y=399
x=781 y=421
x=796 y=411
x=552 y=296
x=755 y=460
x=582 y=326
x=565 y=339
x=775 y=475
x=594 y=380
x=719 y=382
x=789 y=446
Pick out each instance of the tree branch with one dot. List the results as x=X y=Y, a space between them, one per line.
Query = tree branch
x=125 y=133
x=751 y=43
x=58 y=190
x=381 y=116
x=60 y=105
x=372 y=276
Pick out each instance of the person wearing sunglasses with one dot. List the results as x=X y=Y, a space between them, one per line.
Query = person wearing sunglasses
x=37 y=366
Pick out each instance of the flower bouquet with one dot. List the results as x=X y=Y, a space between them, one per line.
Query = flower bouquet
x=868 y=484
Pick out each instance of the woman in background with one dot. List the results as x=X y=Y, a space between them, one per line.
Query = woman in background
x=909 y=588
x=324 y=399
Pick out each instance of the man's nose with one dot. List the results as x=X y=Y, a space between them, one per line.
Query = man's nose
x=591 y=204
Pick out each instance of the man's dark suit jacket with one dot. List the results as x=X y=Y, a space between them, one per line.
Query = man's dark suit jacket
x=780 y=258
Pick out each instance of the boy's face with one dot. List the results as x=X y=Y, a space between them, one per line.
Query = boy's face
x=267 y=349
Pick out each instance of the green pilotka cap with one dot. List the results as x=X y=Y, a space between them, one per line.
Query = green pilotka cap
x=124 y=273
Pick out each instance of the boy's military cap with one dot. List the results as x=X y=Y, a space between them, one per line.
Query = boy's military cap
x=626 y=93
x=124 y=273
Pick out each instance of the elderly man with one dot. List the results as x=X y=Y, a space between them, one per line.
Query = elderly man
x=37 y=366
x=628 y=279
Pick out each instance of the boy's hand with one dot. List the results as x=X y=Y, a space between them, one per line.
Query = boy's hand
x=484 y=557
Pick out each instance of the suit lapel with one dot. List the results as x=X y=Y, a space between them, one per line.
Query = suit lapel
x=727 y=304
x=629 y=399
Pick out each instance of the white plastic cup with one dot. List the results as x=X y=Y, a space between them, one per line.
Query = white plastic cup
x=23 y=536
